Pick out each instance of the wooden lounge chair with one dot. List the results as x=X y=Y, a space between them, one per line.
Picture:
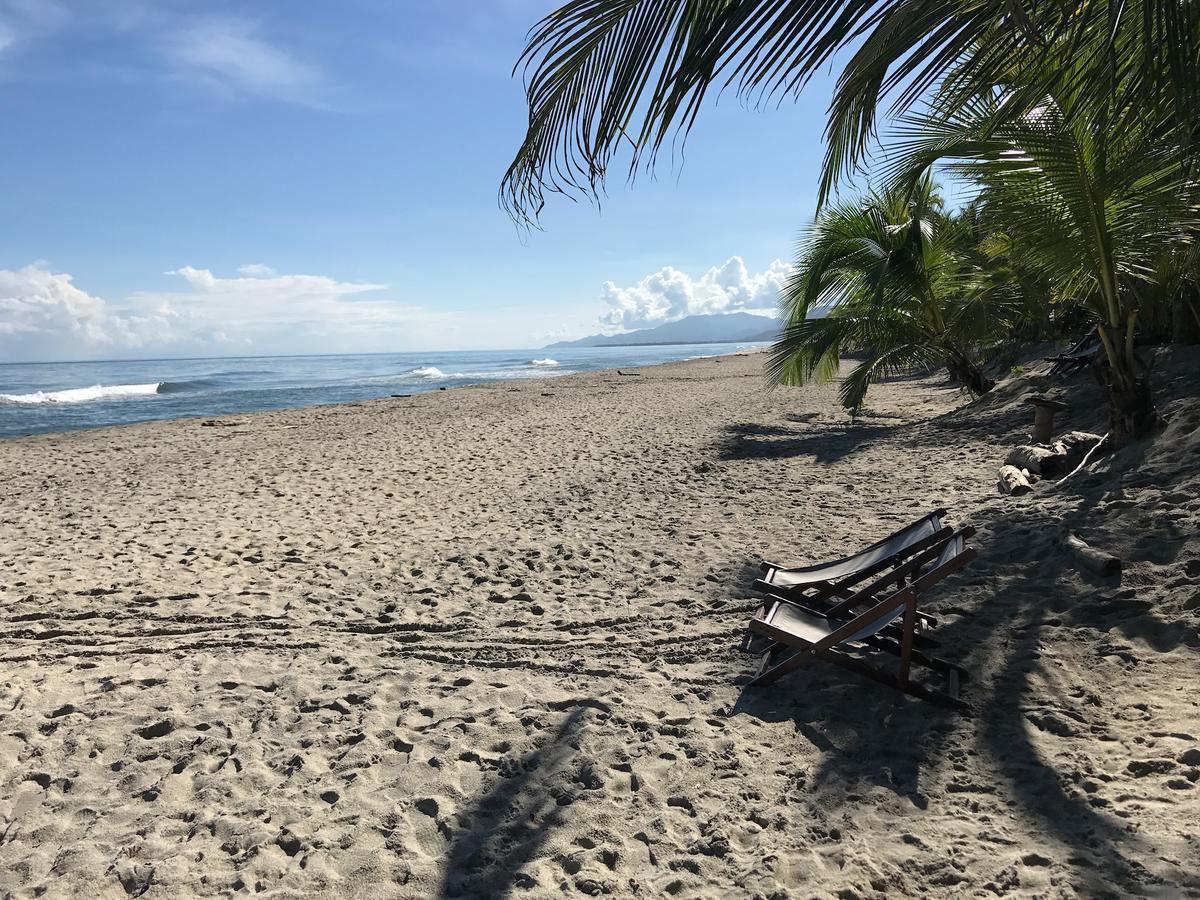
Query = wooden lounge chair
x=825 y=584
x=1078 y=357
x=802 y=635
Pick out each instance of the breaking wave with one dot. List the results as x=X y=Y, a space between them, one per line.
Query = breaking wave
x=84 y=394
x=433 y=372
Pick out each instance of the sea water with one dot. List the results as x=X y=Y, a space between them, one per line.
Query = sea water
x=43 y=397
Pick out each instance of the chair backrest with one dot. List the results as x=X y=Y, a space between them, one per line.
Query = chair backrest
x=876 y=553
x=932 y=568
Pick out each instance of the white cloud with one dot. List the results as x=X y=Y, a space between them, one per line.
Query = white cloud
x=669 y=294
x=39 y=307
x=44 y=315
x=228 y=54
x=256 y=270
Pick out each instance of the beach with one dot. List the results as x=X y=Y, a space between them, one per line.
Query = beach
x=486 y=640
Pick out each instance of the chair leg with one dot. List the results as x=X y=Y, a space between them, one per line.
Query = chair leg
x=908 y=687
x=778 y=661
x=906 y=642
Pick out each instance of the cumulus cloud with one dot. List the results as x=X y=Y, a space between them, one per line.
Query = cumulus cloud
x=39 y=308
x=670 y=294
x=44 y=315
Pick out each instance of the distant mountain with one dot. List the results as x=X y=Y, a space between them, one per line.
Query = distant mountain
x=726 y=328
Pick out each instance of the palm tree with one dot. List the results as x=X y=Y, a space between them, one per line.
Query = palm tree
x=898 y=278
x=606 y=74
x=1093 y=201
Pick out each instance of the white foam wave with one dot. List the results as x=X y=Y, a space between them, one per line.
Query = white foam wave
x=84 y=394
x=433 y=372
x=543 y=362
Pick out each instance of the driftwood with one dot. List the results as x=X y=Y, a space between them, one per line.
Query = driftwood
x=1039 y=460
x=1014 y=481
x=1086 y=457
x=1092 y=559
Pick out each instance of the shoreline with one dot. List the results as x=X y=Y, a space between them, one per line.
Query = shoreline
x=420 y=389
x=490 y=643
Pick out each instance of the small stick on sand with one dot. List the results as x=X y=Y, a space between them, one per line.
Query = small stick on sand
x=1092 y=559
x=1087 y=456
x=630 y=374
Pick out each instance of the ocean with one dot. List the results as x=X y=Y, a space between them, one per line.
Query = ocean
x=45 y=397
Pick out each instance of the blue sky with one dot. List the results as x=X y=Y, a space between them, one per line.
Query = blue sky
x=209 y=178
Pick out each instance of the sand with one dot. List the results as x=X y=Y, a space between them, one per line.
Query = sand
x=484 y=642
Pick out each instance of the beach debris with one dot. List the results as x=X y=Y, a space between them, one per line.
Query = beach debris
x=1079 y=447
x=1042 y=461
x=1053 y=460
x=1044 y=409
x=630 y=374
x=218 y=423
x=1026 y=464
x=400 y=396
x=1014 y=481
x=1092 y=559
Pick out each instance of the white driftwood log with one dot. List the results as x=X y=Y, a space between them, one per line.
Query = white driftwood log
x=1039 y=460
x=1090 y=558
x=1013 y=481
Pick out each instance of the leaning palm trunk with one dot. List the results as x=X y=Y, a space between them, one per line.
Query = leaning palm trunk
x=1131 y=410
x=967 y=373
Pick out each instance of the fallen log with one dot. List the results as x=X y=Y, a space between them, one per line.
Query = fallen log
x=1038 y=460
x=1013 y=481
x=1092 y=559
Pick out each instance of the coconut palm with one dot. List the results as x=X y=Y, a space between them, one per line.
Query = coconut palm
x=898 y=278
x=607 y=74
x=1092 y=200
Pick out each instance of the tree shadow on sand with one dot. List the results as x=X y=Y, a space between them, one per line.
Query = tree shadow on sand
x=869 y=735
x=821 y=443
x=506 y=827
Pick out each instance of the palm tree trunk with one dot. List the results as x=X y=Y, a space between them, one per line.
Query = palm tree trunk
x=967 y=374
x=1185 y=317
x=1131 y=411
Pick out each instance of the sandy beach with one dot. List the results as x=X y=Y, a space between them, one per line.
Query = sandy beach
x=485 y=642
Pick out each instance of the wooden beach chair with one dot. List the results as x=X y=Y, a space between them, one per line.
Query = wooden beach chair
x=1076 y=358
x=824 y=584
x=886 y=628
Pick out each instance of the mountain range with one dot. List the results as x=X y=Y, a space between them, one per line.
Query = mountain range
x=721 y=328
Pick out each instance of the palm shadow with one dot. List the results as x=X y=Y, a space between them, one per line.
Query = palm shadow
x=821 y=443
x=506 y=826
x=869 y=735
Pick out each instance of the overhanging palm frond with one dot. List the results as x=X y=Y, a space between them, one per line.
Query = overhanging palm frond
x=603 y=73
x=899 y=359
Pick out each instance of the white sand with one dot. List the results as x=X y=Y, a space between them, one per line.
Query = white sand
x=486 y=640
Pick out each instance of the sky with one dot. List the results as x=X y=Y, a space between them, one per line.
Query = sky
x=204 y=178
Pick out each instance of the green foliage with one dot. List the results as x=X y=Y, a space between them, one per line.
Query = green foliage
x=898 y=278
x=607 y=74
x=1079 y=122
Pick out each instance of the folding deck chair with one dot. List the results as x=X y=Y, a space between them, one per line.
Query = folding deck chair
x=822 y=585
x=889 y=625
x=1077 y=357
